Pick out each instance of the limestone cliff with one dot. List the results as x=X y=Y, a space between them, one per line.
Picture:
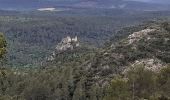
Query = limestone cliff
x=66 y=44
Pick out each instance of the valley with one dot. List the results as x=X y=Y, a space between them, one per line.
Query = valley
x=34 y=35
x=84 y=50
x=137 y=56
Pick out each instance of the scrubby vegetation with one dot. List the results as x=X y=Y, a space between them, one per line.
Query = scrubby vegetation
x=128 y=67
x=78 y=74
x=32 y=36
x=3 y=48
x=71 y=83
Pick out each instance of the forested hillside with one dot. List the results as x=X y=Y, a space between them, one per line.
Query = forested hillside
x=34 y=35
x=135 y=66
x=84 y=50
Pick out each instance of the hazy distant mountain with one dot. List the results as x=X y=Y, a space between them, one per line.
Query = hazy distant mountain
x=123 y=4
x=153 y=1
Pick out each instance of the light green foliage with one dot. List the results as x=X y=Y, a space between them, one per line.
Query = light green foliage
x=118 y=90
x=141 y=82
x=164 y=82
x=79 y=93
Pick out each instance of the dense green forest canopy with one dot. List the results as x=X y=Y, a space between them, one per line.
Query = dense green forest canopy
x=96 y=75
x=34 y=35
x=86 y=54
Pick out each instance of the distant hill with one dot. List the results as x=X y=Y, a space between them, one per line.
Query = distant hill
x=111 y=4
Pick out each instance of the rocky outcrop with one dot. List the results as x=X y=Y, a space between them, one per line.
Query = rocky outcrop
x=152 y=64
x=136 y=36
x=66 y=44
x=147 y=47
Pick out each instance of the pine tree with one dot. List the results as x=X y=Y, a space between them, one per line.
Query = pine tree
x=142 y=82
x=164 y=82
x=3 y=45
x=118 y=90
x=79 y=93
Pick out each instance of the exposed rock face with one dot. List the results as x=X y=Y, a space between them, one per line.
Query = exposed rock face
x=67 y=43
x=152 y=64
x=136 y=36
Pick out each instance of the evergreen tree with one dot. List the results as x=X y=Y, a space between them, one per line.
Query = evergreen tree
x=3 y=51
x=79 y=93
x=142 y=82
x=164 y=82
x=118 y=90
